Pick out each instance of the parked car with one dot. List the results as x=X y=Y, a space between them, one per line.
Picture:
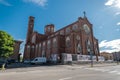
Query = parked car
x=39 y=60
x=11 y=61
x=26 y=61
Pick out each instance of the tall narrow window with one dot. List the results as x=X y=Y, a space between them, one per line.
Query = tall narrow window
x=54 y=42
x=68 y=43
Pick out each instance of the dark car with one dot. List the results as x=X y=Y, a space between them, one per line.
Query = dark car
x=3 y=62
x=9 y=61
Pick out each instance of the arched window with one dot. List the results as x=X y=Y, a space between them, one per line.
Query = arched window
x=40 y=45
x=75 y=27
x=34 y=39
x=62 y=32
x=78 y=48
x=43 y=45
x=86 y=28
x=88 y=46
x=68 y=43
x=39 y=48
x=68 y=30
x=28 y=49
x=43 y=53
x=54 y=42
x=96 y=51
x=48 y=44
x=78 y=37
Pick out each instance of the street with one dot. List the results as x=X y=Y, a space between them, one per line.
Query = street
x=63 y=72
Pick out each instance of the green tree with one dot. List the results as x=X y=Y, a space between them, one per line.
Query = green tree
x=6 y=44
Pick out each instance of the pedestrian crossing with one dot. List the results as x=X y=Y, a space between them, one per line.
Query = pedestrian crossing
x=110 y=71
x=107 y=69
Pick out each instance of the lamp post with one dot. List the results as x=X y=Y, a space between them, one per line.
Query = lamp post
x=91 y=57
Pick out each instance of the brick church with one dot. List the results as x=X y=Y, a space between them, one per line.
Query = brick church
x=75 y=38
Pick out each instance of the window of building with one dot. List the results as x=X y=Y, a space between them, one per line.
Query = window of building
x=86 y=28
x=28 y=49
x=34 y=39
x=68 y=43
x=43 y=45
x=78 y=37
x=78 y=48
x=39 y=47
x=36 y=47
x=68 y=30
x=43 y=53
x=96 y=51
x=75 y=27
x=52 y=29
x=48 y=44
x=62 y=32
x=88 y=45
x=54 y=42
x=48 y=29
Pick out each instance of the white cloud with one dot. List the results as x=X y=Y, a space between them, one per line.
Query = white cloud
x=110 y=46
x=109 y=2
x=38 y=2
x=117 y=13
x=118 y=24
x=3 y=2
x=113 y=3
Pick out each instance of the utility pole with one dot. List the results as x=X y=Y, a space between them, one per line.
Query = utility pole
x=91 y=56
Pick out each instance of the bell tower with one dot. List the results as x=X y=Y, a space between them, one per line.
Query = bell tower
x=49 y=29
x=30 y=29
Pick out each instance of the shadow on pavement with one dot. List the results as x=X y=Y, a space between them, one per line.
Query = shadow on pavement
x=25 y=65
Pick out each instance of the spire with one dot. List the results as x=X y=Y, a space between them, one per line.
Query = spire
x=84 y=14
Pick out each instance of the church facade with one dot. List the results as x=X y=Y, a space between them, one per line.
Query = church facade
x=76 y=38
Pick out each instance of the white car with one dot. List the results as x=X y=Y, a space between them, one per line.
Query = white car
x=39 y=60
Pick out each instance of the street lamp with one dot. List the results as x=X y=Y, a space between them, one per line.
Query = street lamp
x=91 y=56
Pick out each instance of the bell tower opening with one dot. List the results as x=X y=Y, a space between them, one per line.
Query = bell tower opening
x=49 y=29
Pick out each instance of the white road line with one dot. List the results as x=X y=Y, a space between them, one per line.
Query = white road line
x=67 y=78
x=118 y=73
x=113 y=72
x=105 y=70
x=36 y=71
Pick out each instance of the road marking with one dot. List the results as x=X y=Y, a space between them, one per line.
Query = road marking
x=105 y=70
x=113 y=72
x=66 y=78
x=118 y=73
x=36 y=71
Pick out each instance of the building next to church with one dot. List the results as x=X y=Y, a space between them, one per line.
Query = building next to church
x=16 y=50
x=75 y=38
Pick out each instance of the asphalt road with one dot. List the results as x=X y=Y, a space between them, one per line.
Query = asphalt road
x=63 y=72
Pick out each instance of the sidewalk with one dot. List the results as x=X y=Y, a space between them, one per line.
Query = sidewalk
x=26 y=68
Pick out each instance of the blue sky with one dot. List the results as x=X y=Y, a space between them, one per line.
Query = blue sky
x=103 y=14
